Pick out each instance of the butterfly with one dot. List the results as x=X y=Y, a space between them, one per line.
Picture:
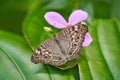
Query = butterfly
x=63 y=47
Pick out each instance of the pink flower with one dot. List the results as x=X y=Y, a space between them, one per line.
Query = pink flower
x=56 y=20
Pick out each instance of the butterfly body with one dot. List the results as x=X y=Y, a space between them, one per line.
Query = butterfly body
x=62 y=48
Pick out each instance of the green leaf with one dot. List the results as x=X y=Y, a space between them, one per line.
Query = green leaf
x=100 y=60
x=93 y=61
x=15 y=59
x=15 y=62
x=35 y=34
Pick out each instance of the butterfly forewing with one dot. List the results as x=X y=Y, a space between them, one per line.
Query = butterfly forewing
x=49 y=53
x=71 y=40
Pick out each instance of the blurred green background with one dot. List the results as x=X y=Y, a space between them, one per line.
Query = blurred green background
x=13 y=12
x=22 y=22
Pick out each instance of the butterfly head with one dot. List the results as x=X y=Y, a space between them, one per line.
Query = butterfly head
x=35 y=57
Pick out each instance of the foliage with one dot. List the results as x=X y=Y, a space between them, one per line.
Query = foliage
x=99 y=61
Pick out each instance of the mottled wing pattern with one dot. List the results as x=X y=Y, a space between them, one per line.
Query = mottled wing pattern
x=71 y=40
x=65 y=46
x=49 y=53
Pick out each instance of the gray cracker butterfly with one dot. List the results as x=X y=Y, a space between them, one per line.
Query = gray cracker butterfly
x=62 y=48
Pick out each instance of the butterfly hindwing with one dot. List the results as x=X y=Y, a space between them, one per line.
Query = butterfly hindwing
x=49 y=53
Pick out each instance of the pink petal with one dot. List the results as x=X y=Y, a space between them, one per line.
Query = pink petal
x=55 y=19
x=77 y=16
x=87 y=40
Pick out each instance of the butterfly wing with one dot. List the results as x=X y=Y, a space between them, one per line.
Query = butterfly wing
x=49 y=53
x=71 y=40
